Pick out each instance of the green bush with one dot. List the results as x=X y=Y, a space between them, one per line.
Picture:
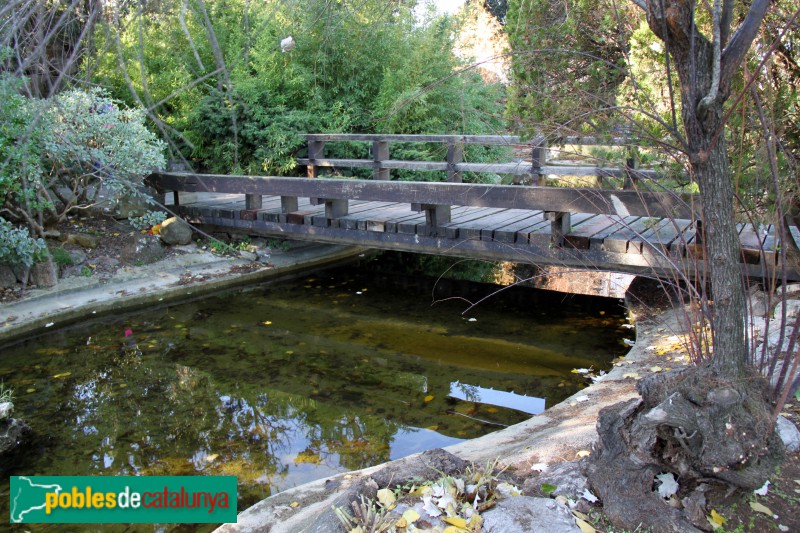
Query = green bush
x=56 y=154
x=18 y=247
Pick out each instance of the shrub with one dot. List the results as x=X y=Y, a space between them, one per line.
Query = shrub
x=18 y=247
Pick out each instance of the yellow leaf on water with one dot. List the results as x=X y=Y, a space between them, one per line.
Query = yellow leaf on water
x=62 y=375
x=401 y=523
x=211 y=457
x=31 y=390
x=429 y=398
x=294 y=504
x=267 y=322
x=456 y=521
x=760 y=508
x=585 y=526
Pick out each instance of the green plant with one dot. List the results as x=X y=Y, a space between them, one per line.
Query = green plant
x=86 y=271
x=6 y=393
x=148 y=220
x=61 y=257
x=77 y=141
x=220 y=248
x=18 y=247
x=276 y=244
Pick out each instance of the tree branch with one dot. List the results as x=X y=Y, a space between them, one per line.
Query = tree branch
x=734 y=53
x=713 y=91
x=725 y=22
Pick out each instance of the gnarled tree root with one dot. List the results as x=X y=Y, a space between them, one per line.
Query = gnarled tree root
x=702 y=428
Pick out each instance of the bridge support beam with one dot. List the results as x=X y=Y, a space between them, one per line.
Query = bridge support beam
x=560 y=224
x=335 y=208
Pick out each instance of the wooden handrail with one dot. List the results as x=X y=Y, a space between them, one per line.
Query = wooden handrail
x=551 y=199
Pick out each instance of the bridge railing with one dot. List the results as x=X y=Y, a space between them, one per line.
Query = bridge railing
x=530 y=172
x=435 y=197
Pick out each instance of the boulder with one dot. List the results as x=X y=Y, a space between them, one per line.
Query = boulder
x=521 y=514
x=44 y=273
x=6 y=408
x=759 y=303
x=142 y=249
x=84 y=240
x=7 y=277
x=789 y=434
x=175 y=231
x=12 y=434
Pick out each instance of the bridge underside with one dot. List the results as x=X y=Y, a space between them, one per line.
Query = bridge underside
x=638 y=245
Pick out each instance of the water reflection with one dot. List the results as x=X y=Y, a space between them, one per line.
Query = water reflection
x=280 y=385
x=509 y=400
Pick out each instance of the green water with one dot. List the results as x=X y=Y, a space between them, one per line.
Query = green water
x=283 y=384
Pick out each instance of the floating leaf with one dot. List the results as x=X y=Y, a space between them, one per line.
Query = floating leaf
x=760 y=508
x=387 y=498
x=429 y=398
x=212 y=457
x=585 y=526
x=62 y=375
x=31 y=390
x=668 y=485
x=267 y=322
x=402 y=523
x=547 y=488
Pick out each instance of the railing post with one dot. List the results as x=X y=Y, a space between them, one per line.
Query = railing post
x=538 y=159
x=631 y=164
x=380 y=153
x=288 y=204
x=335 y=208
x=315 y=151
x=455 y=155
x=560 y=225
x=436 y=214
x=252 y=203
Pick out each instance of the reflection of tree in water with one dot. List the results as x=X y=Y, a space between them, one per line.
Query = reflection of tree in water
x=471 y=392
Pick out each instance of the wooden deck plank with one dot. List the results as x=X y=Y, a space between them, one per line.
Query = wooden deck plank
x=473 y=218
x=508 y=233
x=514 y=216
x=476 y=229
x=620 y=241
x=598 y=239
x=421 y=228
x=580 y=235
x=354 y=220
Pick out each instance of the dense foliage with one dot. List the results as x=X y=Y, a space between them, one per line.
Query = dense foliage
x=225 y=94
x=57 y=154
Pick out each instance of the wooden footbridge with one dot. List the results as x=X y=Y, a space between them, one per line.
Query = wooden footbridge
x=628 y=229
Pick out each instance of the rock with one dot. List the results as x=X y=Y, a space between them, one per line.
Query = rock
x=176 y=231
x=248 y=256
x=791 y=289
x=759 y=304
x=789 y=434
x=792 y=309
x=263 y=256
x=106 y=262
x=143 y=249
x=522 y=514
x=129 y=206
x=7 y=277
x=83 y=240
x=567 y=477
x=77 y=256
x=12 y=434
x=44 y=273
x=52 y=234
x=6 y=408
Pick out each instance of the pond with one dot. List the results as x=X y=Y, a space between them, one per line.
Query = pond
x=286 y=383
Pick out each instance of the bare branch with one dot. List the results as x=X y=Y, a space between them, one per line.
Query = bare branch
x=734 y=53
x=713 y=91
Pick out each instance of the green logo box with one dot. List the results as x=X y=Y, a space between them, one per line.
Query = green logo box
x=122 y=500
